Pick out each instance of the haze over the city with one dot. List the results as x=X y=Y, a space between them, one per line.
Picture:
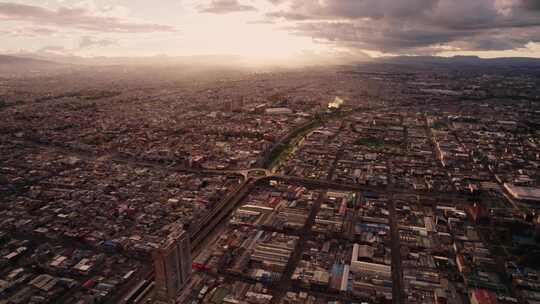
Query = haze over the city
x=270 y=29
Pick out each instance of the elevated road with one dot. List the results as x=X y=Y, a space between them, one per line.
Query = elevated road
x=205 y=227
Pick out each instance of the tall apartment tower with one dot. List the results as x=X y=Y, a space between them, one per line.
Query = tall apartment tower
x=172 y=265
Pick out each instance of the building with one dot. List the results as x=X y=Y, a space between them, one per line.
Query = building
x=336 y=104
x=480 y=296
x=373 y=269
x=524 y=193
x=279 y=111
x=172 y=265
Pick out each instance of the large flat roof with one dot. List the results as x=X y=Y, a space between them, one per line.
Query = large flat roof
x=524 y=193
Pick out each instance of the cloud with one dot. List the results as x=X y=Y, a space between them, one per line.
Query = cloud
x=86 y=43
x=53 y=49
x=531 y=4
x=226 y=7
x=356 y=8
x=276 y=2
x=28 y=32
x=261 y=21
x=76 y=18
x=89 y=42
x=415 y=26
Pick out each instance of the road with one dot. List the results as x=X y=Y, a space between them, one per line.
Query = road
x=200 y=233
x=383 y=190
x=218 y=214
x=306 y=234
x=398 y=294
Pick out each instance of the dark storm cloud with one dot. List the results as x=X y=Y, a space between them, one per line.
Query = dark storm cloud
x=531 y=4
x=416 y=26
x=356 y=8
x=77 y=18
x=225 y=7
x=391 y=37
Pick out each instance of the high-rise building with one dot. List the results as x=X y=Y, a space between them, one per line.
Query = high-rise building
x=172 y=264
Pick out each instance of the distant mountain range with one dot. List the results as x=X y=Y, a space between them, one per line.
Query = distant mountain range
x=461 y=60
x=50 y=61
x=17 y=66
x=31 y=58
x=17 y=60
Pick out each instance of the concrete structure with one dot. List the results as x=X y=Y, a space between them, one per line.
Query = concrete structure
x=481 y=296
x=380 y=270
x=279 y=111
x=336 y=104
x=172 y=264
x=523 y=193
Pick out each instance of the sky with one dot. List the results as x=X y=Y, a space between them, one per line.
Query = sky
x=271 y=29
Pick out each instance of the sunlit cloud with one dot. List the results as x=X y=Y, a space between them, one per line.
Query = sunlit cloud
x=272 y=28
x=225 y=7
x=75 y=18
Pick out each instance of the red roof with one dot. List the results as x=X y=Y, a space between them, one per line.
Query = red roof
x=484 y=297
x=89 y=283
